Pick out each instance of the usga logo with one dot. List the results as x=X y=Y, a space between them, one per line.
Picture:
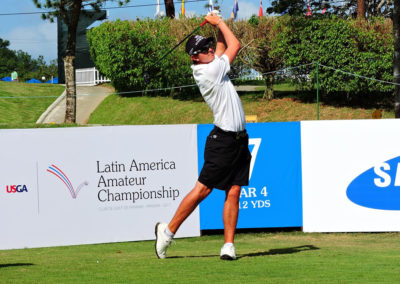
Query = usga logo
x=377 y=187
x=16 y=188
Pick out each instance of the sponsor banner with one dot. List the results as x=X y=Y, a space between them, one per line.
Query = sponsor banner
x=273 y=196
x=351 y=175
x=70 y=186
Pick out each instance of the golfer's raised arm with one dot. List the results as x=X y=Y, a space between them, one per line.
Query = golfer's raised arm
x=221 y=44
x=226 y=39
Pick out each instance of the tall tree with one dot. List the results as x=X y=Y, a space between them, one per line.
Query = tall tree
x=69 y=11
x=7 y=59
x=361 y=9
x=396 y=59
x=345 y=8
x=169 y=8
x=291 y=7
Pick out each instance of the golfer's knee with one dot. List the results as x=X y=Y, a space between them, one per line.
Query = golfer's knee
x=201 y=190
x=233 y=193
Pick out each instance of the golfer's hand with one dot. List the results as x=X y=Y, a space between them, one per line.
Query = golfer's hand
x=213 y=19
x=215 y=12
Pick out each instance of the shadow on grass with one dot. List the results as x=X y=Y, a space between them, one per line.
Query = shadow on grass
x=261 y=253
x=14 y=265
x=280 y=251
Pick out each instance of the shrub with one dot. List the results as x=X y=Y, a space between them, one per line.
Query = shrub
x=360 y=47
x=123 y=51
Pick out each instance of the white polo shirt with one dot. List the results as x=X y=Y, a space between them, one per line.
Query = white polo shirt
x=220 y=94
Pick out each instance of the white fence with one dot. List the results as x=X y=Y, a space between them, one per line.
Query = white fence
x=89 y=76
x=256 y=76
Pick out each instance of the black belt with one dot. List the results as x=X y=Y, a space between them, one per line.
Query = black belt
x=236 y=135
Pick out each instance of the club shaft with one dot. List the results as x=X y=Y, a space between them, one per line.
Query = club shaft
x=186 y=37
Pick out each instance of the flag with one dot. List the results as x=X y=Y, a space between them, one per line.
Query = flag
x=210 y=6
x=260 y=11
x=183 y=8
x=235 y=10
x=308 y=14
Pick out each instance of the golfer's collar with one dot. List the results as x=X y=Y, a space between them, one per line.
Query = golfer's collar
x=215 y=57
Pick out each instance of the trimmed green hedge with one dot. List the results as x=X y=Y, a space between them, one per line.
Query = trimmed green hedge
x=360 y=47
x=123 y=50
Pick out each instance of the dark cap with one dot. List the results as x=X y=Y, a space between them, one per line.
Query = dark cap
x=198 y=43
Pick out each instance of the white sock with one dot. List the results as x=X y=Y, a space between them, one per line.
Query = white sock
x=168 y=233
x=228 y=244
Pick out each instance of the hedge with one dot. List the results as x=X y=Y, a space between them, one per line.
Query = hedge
x=123 y=50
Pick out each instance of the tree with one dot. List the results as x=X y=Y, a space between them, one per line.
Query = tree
x=256 y=36
x=291 y=7
x=7 y=59
x=396 y=59
x=361 y=9
x=345 y=8
x=69 y=11
x=25 y=65
x=169 y=8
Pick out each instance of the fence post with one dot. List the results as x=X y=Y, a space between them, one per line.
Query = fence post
x=317 y=70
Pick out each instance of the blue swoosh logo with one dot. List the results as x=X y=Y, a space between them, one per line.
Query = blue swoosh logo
x=378 y=187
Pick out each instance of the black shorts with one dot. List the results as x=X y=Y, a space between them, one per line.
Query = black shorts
x=226 y=159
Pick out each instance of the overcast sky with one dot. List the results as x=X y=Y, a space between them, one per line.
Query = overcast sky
x=38 y=37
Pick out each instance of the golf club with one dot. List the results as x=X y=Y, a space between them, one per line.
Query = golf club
x=146 y=75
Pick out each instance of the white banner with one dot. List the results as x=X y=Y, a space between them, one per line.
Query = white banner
x=351 y=175
x=70 y=186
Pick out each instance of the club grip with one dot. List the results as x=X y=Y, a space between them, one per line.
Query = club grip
x=203 y=23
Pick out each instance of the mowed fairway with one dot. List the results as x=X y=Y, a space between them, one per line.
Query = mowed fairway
x=293 y=257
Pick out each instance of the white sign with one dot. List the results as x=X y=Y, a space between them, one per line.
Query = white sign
x=351 y=176
x=70 y=186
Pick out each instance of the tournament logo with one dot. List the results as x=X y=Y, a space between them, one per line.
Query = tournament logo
x=377 y=187
x=63 y=177
x=16 y=188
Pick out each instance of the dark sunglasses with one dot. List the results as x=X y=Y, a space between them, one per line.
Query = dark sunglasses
x=204 y=50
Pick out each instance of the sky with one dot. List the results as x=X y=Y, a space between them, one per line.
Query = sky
x=35 y=36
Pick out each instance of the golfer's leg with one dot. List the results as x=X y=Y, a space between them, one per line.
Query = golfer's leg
x=188 y=204
x=231 y=212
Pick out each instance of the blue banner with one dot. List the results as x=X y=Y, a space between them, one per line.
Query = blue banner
x=273 y=197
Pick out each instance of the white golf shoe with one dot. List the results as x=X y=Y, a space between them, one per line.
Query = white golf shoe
x=228 y=252
x=162 y=240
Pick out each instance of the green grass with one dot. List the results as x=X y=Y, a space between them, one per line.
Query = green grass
x=263 y=258
x=32 y=101
x=150 y=110
x=164 y=110
x=116 y=110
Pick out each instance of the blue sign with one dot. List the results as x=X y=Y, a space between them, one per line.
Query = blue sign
x=273 y=197
x=378 y=187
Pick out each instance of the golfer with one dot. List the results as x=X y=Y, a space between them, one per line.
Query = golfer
x=226 y=157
